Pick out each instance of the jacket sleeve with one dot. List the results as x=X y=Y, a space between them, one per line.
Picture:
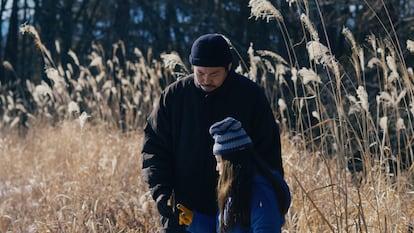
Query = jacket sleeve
x=202 y=223
x=157 y=161
x=266 y=134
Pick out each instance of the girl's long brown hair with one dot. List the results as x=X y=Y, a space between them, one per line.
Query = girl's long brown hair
x=235 y=182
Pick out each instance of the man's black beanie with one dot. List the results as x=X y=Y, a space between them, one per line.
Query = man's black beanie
x=210 y=50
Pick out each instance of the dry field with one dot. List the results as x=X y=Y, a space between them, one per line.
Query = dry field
x=64 y=179
x=72 y=163
x=68 y=179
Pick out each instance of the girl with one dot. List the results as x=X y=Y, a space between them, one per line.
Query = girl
x=251 y=197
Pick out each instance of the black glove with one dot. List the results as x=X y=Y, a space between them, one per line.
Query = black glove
x=162 y=205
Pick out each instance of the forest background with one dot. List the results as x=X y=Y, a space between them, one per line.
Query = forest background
x=166 y=26
x=79 y=78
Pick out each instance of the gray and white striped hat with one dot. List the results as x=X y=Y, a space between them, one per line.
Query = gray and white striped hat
x=229 y=136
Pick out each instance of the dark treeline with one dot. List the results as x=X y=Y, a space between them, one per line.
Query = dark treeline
x=157 y=26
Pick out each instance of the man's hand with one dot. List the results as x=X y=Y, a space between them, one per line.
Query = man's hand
x=162 y=205
x=186 y=215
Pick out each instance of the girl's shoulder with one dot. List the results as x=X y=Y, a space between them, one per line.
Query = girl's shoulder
x=273 y=190
x=262 y=189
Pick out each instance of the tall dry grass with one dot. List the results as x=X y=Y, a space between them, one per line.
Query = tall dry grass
x=347 y=135
x=352 y=125
x=108 y=87
x=67 y=179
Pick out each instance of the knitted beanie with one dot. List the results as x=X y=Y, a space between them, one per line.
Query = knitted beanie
x=210 y=50
x=229 y=136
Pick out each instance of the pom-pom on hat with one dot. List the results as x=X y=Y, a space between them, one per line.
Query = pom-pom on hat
x=229 y=136
x=210 y=50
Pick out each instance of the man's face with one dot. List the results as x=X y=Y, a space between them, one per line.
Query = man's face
x=210 y=78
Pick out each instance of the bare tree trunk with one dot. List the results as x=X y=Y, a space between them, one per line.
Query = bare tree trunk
x=2 y=8
x=24 y=62
x=2 y=71
x=48 y=22
x=122 y=19
x=66 y=31
x=11 y=48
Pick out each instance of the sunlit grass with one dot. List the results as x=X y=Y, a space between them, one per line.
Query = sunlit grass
x=73 y=163
x=64 y=179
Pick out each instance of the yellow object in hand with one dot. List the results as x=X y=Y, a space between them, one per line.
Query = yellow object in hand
x=186 y=215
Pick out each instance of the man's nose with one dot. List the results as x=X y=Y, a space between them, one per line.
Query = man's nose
x=207 y=79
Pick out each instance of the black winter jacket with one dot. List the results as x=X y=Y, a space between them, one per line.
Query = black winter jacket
x=177 y=151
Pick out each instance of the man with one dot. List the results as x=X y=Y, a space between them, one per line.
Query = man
x=177 y=152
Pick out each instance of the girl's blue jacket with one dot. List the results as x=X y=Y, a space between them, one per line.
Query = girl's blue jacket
x=265 y=215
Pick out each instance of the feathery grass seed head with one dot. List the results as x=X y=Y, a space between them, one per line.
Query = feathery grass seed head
x=73 y=107
x=316 y=51
x=400 y=124
x=82 y=119
x=309 y=75
x=273 y=55
x=53 y=75
x=282 y=105
x=308 y=25
x=291 y=2
x=8 y=66
x=265 y=10
x=412 y=107
x=410 y=46
x=294 y=72
x=348 y=34
x=42 y=90
x=373 y=41
x=363 y=98
x=383 y=123
x=374 y=61
x=316 y=115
